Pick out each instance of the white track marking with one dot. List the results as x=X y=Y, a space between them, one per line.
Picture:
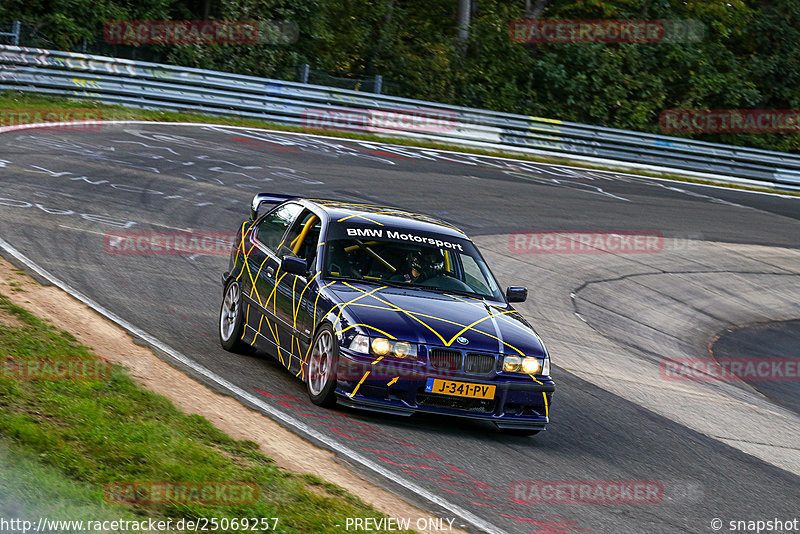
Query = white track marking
x=82 y=230
x=378 y=144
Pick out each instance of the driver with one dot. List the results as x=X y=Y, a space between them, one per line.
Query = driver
x=422 y=265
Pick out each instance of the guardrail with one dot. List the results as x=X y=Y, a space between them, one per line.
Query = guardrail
x=168 y=87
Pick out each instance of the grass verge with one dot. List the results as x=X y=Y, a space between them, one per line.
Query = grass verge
x=15 y=102
x=67 y=439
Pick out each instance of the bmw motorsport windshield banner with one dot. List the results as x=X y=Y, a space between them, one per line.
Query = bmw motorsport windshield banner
x=402 y=235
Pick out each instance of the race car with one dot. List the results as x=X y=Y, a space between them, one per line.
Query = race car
x=385 y=310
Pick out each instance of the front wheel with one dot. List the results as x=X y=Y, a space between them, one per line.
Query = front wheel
x=231 y=319
x=321 y=380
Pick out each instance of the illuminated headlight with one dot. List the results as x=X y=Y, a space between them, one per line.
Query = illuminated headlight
x=381 y=346
x=384 y=347
x=527 y=365
x=531 y=366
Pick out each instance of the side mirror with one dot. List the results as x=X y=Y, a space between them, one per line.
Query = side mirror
x=294 y=265
x=516 y=294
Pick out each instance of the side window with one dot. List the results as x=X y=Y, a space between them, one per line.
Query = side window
x=473 y=275
x=271 y=229
x=301 y=241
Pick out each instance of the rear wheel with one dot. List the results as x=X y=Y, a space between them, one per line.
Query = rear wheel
x=231 y=319
x=321 y=380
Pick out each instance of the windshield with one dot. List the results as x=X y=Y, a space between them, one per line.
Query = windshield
x=400 y=263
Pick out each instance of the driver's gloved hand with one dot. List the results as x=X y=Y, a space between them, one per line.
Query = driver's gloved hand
x=425 y=275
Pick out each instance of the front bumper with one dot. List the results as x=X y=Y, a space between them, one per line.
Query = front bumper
x=399 y=388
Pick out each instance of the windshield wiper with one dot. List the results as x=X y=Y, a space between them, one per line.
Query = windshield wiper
x=339 y=278
x=456 y=291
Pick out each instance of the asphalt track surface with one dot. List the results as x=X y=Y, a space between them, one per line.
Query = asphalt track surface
x=63 y=191
x=765 y=342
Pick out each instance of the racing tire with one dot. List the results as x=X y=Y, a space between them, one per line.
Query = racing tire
x=231 y=319
x=321 y=379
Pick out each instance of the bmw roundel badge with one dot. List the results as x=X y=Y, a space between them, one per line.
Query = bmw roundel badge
x=462 y=340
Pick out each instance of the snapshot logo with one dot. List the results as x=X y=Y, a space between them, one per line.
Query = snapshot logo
x=553 y=31
x=606 y=242
x=757 y=526
x=730 y=369
x=730 y=121
x=377 y=120
x=586 y=491
x=77 y=119
x=147 y=493
x=183 y=32
x=169 y=243
x=52 y=369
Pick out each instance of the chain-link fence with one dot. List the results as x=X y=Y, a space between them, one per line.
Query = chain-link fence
x=372 y=84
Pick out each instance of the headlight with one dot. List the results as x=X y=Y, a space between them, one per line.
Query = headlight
x=531 y=366
x=360 y=344
x=512 y=364
x=527 y=365
x=384 y=347
x=381 y=346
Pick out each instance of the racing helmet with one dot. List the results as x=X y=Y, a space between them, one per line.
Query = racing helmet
x=422 y=260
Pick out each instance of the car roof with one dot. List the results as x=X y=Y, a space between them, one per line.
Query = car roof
x=373 y=214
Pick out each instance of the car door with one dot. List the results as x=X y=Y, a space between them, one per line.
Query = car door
x=264 y=263
x=302 y=241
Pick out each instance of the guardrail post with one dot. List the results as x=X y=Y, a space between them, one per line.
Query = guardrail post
x=14 y=33
x=378 y=84
x=304 y=73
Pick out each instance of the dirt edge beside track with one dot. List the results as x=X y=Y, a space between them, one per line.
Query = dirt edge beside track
x=109 y=341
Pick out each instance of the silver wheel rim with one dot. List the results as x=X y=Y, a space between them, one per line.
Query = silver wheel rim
x=319 y=367
x=230 y=309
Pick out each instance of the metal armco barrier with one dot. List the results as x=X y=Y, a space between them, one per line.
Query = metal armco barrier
x=168 y=87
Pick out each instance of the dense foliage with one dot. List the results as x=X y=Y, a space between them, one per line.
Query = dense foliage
x=748 y=58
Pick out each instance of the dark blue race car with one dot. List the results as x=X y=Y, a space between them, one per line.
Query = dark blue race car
x=385 y=310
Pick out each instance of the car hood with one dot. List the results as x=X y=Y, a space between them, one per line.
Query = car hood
x=437 y=319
